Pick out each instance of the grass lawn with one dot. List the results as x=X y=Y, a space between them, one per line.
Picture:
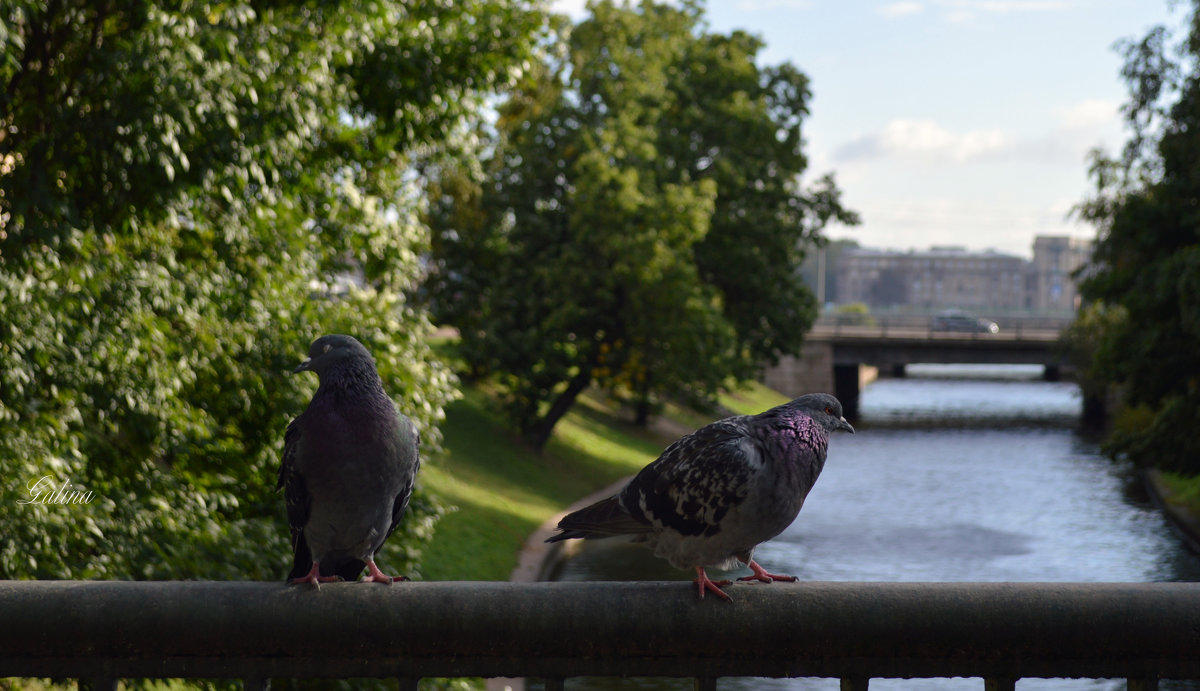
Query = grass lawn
x=503 y=491
x=1185 y=491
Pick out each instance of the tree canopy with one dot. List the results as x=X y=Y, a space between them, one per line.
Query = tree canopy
x=1146 y=268
x=640 y=223
x=189 y=193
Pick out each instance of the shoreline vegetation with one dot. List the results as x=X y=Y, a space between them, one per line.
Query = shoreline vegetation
x=1178 y=497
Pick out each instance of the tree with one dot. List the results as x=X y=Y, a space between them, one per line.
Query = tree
x=639 y=224
x=188 y=195
x=1146 y=267
x=740 y=126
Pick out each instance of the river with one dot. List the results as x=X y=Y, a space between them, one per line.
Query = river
x=957 y=473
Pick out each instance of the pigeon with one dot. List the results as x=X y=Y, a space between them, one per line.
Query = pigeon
x=348 y=467
x=718 y=492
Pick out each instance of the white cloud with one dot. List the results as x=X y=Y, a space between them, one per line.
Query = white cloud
x=900 y=9
x=1063 y=207
x=1006 y=6
x=1089 y=114
x=963 y=11
x=924 y=139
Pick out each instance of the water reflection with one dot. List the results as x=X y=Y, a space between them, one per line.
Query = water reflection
x=956 y=474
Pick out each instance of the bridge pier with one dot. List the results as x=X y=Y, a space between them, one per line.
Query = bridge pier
x=846 y=388
x=816 y=370
x=812 y=372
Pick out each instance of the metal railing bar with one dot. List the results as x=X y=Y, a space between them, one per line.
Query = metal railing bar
x=855 y=683
x=705 y=684
x=256 y=684
x=999 y=684
x=1141 y=684
x=105 y=630
x=555 y=684
x=407 y=683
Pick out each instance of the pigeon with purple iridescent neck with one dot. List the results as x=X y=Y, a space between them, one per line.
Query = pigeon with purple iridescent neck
x=349 y=463
x=716 y=493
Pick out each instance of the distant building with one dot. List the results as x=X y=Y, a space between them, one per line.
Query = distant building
x=1055 y=260
x=954 y=277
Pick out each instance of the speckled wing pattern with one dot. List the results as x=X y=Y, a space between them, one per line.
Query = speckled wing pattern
x=695 y=482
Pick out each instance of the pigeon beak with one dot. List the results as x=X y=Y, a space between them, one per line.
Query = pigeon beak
x=842 y=424
x=303 y=366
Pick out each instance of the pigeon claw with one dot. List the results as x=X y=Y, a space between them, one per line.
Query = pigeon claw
x=314 y=577
x=705 y=583
x=374 y=575
x=760 y=574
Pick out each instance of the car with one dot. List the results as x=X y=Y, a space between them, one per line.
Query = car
x=958 y=320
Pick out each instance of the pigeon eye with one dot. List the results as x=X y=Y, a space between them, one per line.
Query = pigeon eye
x=829 y=410
x=327 y=348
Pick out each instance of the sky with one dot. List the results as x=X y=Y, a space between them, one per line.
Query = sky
x=952 y=122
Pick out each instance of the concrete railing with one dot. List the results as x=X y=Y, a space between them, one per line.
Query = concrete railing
x=1000 y=632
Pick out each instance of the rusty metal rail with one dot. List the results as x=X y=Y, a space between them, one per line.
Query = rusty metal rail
x=1000 y=632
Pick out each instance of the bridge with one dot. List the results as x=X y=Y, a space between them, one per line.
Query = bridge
x=841 y=356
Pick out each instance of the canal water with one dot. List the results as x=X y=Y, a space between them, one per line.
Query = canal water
x=957 y=473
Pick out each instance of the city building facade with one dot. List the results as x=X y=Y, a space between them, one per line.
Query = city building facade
x=944 y=277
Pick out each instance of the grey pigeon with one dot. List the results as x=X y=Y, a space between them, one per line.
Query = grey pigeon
x=718 y=492
x=349 y=463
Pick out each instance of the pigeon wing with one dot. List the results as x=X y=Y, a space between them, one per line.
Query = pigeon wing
x=400 y=504
x=297 y=498
x=696 y=481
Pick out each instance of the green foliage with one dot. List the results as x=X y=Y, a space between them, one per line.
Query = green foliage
x=855 y=313
x=188 y=195
x=1147 y=260
x=1182 y=491
x=639 y=224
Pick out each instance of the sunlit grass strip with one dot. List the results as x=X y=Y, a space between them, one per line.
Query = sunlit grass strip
x=502 y=490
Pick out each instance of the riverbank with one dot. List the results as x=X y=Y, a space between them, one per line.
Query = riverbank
x=1178 y=498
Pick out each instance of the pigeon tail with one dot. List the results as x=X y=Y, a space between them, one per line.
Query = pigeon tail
x=343 y=568
x=605 y=518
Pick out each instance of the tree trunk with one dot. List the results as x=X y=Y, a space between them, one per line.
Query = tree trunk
x=642 y=409
x=539 y=432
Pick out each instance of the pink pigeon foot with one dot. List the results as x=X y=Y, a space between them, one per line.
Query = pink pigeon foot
x=705 y=583
x=760 y=574
x=314 y=577
x=374 y=575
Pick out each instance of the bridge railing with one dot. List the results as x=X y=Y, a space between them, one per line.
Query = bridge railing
x=909 y=323
x=999 y=632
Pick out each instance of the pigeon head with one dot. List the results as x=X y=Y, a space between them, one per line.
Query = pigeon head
x=334 y=351
x=825 y=409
